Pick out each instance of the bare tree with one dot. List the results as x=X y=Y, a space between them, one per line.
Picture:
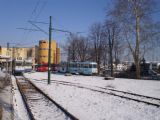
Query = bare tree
x=77 y=48
x=110 y=34
x=96 y=37
x=118 y=49
x=72 y=47
x=83 y=48
x=133 y=16
x=105 y=54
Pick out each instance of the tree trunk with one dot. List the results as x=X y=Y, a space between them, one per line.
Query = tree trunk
x=137 y=59
x=111 y=56
x=137 y=69
x=111 y=60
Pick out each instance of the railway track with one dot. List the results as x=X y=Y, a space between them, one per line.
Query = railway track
x=39 y=105
x=122 y=94
x=147 y=99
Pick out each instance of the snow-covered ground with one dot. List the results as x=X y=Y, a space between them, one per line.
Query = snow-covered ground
x=2 y=74
x=89 y=105
x=5 y=96
x=6 y=103
x=144 y=87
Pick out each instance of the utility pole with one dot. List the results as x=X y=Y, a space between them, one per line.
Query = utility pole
x=50 y=37
x=7 y=61
x=10 y=53
x=49 y=50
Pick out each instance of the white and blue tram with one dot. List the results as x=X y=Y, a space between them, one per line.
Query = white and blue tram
x=20 y=66
x=62 y=67
x=85 y=68
x=89 y=68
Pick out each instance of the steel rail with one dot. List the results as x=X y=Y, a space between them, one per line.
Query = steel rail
x=110 y=93
x=72 y=117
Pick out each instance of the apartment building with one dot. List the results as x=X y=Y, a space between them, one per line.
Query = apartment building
x=37 y=54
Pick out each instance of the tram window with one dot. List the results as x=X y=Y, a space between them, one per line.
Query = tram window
x=94 y=66
x=70 y=65
x=82 y=66
x=18 y=64
x=74 y=65
x=90 y=66
x=28 y=64
x=85 y=66
x=19 y=58
x=78 y=65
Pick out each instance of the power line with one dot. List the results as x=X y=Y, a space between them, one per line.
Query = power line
x=36 y=16
x=38 y=28
x=41 y=9
x=35 y=8
x=38 y=22
x=56 y=21
x=33 y=12
x=60 y=30
x=28 y=29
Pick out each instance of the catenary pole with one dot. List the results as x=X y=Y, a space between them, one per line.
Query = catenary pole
x=49 y=50
x=7 y=61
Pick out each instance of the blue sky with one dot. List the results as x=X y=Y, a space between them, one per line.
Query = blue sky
x=72 y=15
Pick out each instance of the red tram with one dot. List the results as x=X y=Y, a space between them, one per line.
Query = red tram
x=44 y=67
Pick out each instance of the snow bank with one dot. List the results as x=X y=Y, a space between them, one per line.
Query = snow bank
x=2 y=74
x=6 y=103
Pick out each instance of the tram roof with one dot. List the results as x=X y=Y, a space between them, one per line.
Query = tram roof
x=86 y=62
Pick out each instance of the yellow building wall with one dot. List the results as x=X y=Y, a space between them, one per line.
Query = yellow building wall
x=14 y=53
x=20 y=53
x=58 y=55
x=5 y=52
x=43 y=52
x=35 y=55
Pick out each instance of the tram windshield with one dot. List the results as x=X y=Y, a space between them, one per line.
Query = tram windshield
x=18 y=64
x=28 y=64
x=94 y=66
